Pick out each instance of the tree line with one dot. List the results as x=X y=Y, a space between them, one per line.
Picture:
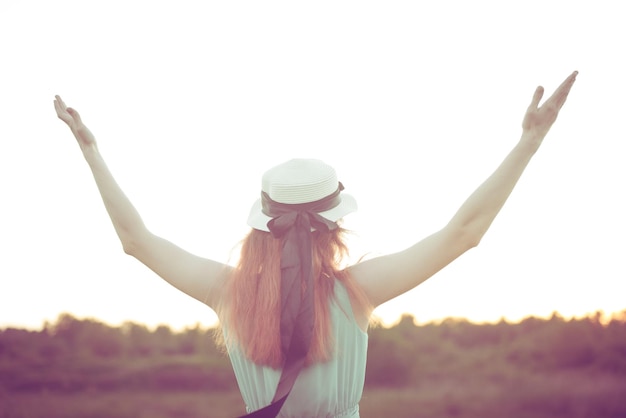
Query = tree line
x=79 y=354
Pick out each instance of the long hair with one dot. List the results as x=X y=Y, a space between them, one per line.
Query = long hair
x=251 y=303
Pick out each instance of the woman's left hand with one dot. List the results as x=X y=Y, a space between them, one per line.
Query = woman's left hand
x=71 y=117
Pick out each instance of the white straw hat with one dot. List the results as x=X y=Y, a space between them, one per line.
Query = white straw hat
x=301 y=181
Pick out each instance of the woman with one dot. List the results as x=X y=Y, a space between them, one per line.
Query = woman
x=294 y=323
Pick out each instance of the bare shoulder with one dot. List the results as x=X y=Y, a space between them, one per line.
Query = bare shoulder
x=386 y=277
x=199 y=277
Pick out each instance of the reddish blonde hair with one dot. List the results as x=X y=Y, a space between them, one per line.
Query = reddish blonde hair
x=251 y=300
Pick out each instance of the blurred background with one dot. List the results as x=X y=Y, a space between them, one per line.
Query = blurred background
x=415 y=104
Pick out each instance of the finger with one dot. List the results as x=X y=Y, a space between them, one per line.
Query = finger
x=569 y=80
x=61 y=112
x=560 y=94
x=74 y=113
x=536 y=98
x=60 y=101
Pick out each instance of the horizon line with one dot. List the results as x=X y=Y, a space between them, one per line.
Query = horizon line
x=377 y=322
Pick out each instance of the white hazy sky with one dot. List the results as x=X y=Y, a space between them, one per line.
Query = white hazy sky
x=414 y=103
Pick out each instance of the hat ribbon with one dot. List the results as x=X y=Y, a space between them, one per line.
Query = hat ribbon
x=293 y=223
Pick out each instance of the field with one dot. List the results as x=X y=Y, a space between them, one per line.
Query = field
x=536 y=369
x=600 y=397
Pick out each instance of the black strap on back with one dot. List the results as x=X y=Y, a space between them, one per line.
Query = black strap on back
x=294 y=223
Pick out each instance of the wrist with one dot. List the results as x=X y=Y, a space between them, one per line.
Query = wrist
x=90 y=152
x=531 y=141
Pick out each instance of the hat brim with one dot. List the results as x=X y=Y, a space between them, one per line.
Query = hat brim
x=258 y=220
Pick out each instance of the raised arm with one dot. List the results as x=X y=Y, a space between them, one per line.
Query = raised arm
x=386 y=277
x=196 y=276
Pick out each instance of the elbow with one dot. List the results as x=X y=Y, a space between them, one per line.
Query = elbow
x=128 y=248
x=469 y=240
x=131 y=243
x=132 y=235
x=136 y=242
x=473 y=237
x=473 y=230
x=473 y=241
x=469 y=236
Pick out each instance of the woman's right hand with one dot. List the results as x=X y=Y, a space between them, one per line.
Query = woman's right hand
x=71 y=117
x=539 y=119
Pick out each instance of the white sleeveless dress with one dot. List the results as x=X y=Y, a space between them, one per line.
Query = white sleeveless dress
x=332 y=389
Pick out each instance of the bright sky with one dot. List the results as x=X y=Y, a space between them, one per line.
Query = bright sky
x=414 y=103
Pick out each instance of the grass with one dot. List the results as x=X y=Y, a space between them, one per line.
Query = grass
x=122 y=405
x=535 y=396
